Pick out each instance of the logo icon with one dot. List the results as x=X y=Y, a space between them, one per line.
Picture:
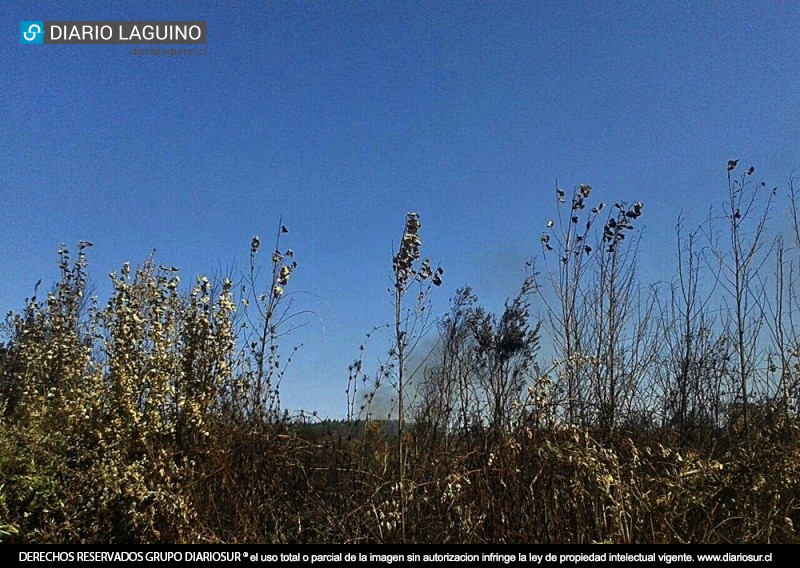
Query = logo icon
x=31 y=32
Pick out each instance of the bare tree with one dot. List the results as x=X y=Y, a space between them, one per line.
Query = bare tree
x=594 y=319
x=694 y=360
x=409 y=326
x=568 y=254
x=616 y=341
x=740 y=260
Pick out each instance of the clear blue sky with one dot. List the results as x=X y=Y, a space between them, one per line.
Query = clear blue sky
x=343 y=116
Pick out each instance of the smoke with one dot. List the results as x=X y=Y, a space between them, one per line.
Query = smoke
x=418 y=361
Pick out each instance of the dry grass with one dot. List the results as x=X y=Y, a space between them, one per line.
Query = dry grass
x=157 y=418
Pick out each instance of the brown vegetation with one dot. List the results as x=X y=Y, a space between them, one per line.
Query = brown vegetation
x=663 y=415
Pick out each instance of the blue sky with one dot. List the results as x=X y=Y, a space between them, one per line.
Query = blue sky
x=342 y=116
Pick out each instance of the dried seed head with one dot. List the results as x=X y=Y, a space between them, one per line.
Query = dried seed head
x=409 y=251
